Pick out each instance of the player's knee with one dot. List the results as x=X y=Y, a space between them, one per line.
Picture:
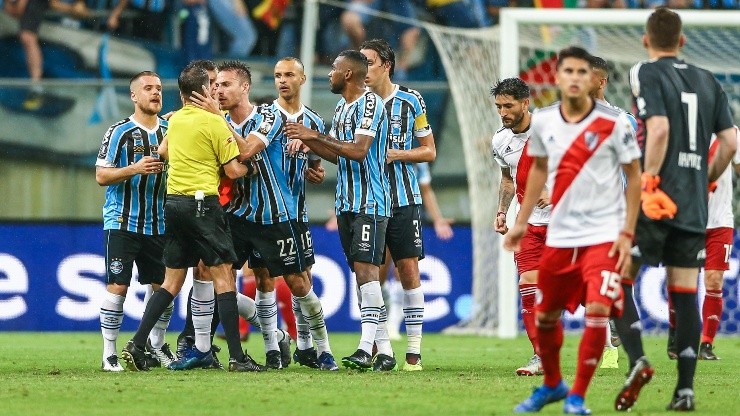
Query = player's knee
x=547 y=318
x=298 y=284
x=597 y=308
x=713 y=279
x=117 y=289
x=528 y=278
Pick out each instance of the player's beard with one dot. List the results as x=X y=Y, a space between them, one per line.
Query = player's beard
x=338 y=87
x=150 y=108
x=515 y=122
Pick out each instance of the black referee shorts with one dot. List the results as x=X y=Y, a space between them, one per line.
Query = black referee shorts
x=362 y=237
x=660 y=243
x=403 y=236
x=276 y=247
x=123 y=248
x=190 y=238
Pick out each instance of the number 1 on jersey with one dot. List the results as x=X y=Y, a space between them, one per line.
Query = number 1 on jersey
x=692 y=104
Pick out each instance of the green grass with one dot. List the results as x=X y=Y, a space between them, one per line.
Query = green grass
x=59 y=374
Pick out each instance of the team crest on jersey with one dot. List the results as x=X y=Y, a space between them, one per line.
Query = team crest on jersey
x=153 y=148
x=366 y=122
x=264 y=128
x=116 y=266
x=136 y=135
x=395 y=122
x=592 y=139
x=348 y=123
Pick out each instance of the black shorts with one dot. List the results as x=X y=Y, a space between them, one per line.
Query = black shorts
x=276 y=247
x=658 y=242
x=190 y=238
x=123 y=248
x=307 y=242
x=362 y=237
x=403 y=236
x=31 y=18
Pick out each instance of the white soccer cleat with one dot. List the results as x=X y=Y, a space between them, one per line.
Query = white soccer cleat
x=533 y=367
x=111 y=364
x=163 y=354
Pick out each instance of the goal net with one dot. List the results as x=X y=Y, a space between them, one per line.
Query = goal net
x=525 y=45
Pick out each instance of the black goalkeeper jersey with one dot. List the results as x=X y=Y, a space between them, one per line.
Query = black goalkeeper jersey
x=696 y=107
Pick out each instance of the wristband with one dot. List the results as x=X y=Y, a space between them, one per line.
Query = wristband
x=627 y=234
x=501 y=213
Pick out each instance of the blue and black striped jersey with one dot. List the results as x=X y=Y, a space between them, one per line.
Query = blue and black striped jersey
x=362 y=187
x=295 y=165
x=406 y=120
x=136 y=204
x=264 y=198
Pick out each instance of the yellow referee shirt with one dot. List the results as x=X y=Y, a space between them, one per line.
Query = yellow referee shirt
x=199 y=143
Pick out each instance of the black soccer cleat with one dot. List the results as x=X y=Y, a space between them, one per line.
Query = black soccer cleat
x=706 y=352
x=273 y=360
x=284 y=346
x=384 y=362
x=246 y=365
x=135 y=357
x=682 y=402
x=359 y=360
x=306 y=357
x=215 y=364
x=671 y=349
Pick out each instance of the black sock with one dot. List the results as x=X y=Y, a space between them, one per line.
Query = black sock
x=215 y=321
x=154 y=308
x=688 y=331
x=189 y=330
x=629 y=328
x=230 y=320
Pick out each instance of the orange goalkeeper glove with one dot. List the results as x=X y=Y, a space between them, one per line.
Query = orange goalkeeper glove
x=712 y=186
x=655 y=203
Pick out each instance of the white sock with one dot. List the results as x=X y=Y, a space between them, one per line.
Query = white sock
x=111 y=317
x=382 y=340
x=395 y=310
x=304 y=340
x=371 y=302
x=203 y=303
x=156 y=337
x=267 y=314
x=413 y=311
x=314 y=315
x=247 y=309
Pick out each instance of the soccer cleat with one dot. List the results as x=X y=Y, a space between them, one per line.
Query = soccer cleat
x=359 y=360
x=383 y=362
x=682 y=402
x=184 y=342
x=164 y=355
x=216 y=364
x=273 y=360
x=284 y=345
x=533 y=367
x=193 y=358
x=306 y=358
x=574 y=406
x=706 y=352
x=672 y=350
x=327 y=363
x=246 y=365
x=541 y=396
x=413 y=362
x=135 y=357
x=111 y=364
x=640 y=375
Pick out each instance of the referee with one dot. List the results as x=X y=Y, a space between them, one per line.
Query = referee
x=200 y=146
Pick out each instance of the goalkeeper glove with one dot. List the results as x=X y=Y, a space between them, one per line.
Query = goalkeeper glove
x=712 y=186
x=656 y=204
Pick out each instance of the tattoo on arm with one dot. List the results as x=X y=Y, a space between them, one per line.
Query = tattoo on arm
x=331 y=143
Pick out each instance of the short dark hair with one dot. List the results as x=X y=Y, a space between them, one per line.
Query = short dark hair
x=384 y=51
x=357 y=60
x=292 y=59
x=513 y=87
x=192 y=79
x=143 y=74
x=600 y=63
x=664 y=29
x=205 y=64
x=573 y=52
x=241 y=69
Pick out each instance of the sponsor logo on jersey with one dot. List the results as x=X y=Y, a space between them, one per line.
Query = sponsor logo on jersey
x=592 y=139
x=370 y=105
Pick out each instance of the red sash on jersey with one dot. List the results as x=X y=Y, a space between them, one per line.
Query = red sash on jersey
x=522 y=172
x=580 y=151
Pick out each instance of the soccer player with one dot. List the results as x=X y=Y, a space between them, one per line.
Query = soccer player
x=509 y=146
x=680 y=106
x=133 y=213
x=300 y=166
x=407 y=120
x=357 y=143
x=586 y=145
x=201 y=146
x=264 y=218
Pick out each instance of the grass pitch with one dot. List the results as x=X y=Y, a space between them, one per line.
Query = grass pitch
x=59 y=374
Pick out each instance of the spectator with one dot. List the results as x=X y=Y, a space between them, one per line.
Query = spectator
x=148 y=22
x=232 y=17
x=454 y=13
